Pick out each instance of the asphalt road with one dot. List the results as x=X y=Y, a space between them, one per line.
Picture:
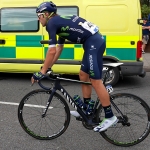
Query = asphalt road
x=12 y=137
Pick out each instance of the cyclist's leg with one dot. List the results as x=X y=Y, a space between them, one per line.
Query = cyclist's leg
x=94 y=49
x=86 y=89
x=84 y=76
x=95 y=67
x=143 y=44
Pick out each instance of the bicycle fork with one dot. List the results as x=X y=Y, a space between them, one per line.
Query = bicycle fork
x=48 y=103
x=123 y=119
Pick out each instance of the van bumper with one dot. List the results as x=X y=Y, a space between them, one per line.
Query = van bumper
x=132 y=68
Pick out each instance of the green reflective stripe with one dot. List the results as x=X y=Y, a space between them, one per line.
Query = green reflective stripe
x=28 y=41
x=7 y=52
x=67 y=53
x=122 y=53
x=78 y=45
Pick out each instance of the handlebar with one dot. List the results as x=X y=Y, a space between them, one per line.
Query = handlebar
x=50 y=76
x=53 y=77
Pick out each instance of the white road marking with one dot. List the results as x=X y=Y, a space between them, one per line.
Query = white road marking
x=29 y=105
x=8 y=103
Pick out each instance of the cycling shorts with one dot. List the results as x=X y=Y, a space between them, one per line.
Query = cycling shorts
x=92 y=62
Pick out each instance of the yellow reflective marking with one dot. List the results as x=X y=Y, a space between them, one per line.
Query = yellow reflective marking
x=104 y=53
x=10 y=40
x=78 y=53
x=46 y=37
x=121 y=41
x=29 y=52
x=69 y=45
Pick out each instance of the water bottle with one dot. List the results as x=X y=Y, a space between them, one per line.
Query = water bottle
x=90 y=107
x=79 y=102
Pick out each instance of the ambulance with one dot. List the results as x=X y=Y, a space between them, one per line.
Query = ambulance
x=118 y=21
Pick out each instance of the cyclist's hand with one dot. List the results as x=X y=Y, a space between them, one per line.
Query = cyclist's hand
x=36 y=77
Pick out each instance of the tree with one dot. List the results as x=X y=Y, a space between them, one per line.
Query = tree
x=145 y=8
x=145 y=11
x=146 y=2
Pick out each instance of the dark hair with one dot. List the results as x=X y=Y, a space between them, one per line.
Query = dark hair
x=145 y=19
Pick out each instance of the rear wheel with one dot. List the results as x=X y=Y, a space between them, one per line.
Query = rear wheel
x=134 y=127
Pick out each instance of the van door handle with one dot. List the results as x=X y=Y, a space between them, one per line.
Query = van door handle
x=2 y=41
x=132 y=42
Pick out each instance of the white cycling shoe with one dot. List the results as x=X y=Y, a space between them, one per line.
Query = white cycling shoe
x=75 y=114
x=105 y=124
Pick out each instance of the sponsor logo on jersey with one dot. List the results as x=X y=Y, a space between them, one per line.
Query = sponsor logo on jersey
x=77 y=30
x=92 y=47
x=78 y=40
x=71 y=29
x=75 y=19
x=65 y=28
x=91 y=61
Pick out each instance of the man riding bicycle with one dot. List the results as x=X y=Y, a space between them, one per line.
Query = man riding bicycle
x=80 y=31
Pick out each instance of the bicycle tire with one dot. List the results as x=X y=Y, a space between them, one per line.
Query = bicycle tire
x=57 y=117
x=123 y=135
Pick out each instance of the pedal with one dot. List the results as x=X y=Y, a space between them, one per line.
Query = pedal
x=79 y=118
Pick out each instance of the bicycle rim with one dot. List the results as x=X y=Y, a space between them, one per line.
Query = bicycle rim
x=137 y=113
x=51 y=126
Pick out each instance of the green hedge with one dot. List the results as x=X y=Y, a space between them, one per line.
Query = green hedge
x=145 y=11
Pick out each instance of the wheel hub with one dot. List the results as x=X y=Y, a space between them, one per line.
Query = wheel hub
x=124 y=120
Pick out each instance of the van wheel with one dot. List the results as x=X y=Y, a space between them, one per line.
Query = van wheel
x=112 y=76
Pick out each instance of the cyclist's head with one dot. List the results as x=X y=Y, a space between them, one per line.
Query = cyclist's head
x=46 y=10
x=144 y=20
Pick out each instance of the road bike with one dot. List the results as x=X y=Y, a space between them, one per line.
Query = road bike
x=45 y=115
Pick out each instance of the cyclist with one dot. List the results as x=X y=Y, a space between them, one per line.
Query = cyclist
x=77 y=29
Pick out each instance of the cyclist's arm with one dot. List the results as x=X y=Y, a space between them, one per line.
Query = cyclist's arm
x=58 y=52
x=148 y=26
x=59 y=49
x=51 y=49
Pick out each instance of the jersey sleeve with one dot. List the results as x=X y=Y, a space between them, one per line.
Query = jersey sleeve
x=61 y=40
x=51 y=29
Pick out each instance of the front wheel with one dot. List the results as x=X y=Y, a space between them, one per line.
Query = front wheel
x=133 y=127
x=53 y=124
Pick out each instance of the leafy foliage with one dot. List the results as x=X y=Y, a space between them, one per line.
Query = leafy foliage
x=145 y=11
x=146 y=2
x=145 y=8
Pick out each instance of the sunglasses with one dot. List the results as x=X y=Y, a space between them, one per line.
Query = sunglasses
x=39 y=15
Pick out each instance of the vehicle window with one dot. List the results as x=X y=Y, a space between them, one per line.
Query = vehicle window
x=19 y=20
x=25 y=19
x=67 y=11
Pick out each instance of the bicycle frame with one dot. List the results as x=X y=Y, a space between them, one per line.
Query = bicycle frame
x=57 y=86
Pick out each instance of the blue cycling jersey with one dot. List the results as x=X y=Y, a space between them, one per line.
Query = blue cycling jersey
x=78 y=30
x=73 y=28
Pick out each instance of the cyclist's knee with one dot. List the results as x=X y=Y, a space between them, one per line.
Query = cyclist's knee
x=96 y=83
x=83 y=76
